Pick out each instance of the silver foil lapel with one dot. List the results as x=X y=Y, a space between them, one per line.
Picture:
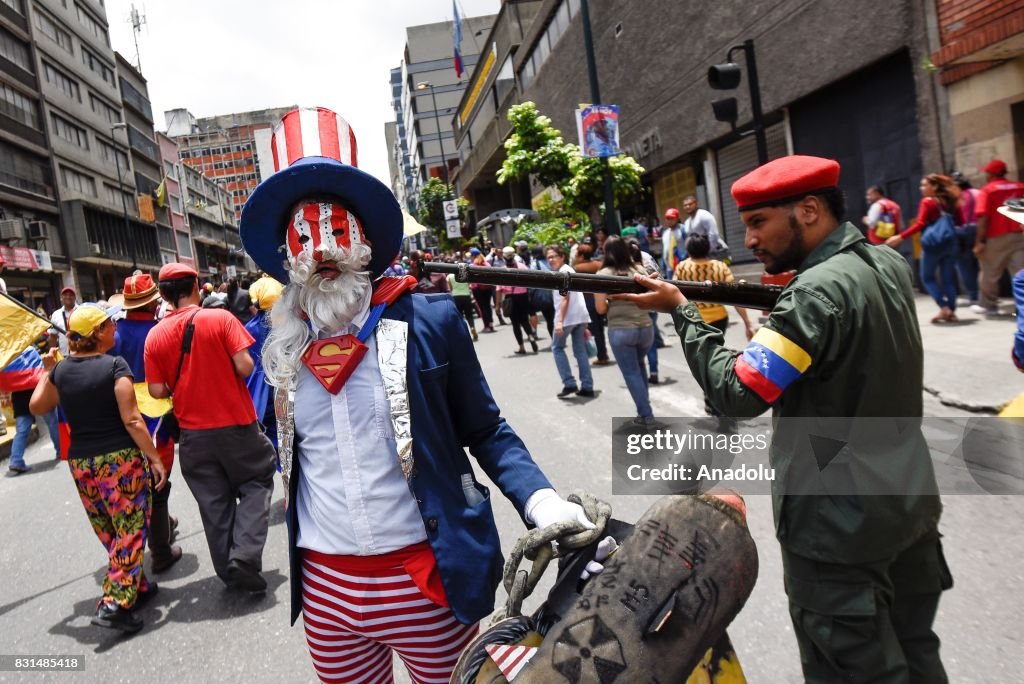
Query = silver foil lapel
x=392 y=357
x=284 y=409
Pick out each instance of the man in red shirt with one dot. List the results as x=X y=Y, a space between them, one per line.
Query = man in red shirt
x=226 y=460
x=999 y=244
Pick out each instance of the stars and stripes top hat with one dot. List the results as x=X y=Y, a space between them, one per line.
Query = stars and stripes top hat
x=314 y=153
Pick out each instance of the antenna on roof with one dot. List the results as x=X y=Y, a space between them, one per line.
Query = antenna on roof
x=137 y=20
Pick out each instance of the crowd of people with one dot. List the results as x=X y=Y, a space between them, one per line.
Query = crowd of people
x=362 y=371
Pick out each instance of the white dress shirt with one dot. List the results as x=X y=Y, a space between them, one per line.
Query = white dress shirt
x=576 y=314
x=352 y=497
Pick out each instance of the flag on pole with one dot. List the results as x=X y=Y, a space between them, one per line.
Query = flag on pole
x=19 y=328
x=457 y=39
x=161 y=193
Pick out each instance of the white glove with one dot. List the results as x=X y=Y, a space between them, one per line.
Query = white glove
x=605 y=548
x=545 y=507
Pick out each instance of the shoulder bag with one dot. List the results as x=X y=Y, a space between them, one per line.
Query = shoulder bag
x=939 y=235
x=170 y=421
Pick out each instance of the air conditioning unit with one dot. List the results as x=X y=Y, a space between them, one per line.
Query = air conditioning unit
x=37 y=230
x=12 y=229
x=96 y=249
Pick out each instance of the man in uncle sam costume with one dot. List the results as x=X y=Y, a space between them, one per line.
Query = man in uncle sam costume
x=392 y=542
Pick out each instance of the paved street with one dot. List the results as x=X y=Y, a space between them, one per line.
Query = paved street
x=197 y=631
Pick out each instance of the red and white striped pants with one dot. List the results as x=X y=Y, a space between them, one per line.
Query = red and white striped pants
x=355 y=619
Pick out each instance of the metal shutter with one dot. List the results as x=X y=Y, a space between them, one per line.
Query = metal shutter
x=734 y=161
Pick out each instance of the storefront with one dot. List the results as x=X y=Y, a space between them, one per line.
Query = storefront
x=30 y=277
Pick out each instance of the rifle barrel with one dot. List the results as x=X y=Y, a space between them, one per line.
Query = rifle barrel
x=740 y=293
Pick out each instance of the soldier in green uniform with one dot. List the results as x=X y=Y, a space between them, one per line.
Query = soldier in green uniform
x=863 y=572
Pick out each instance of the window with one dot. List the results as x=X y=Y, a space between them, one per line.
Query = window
x=113 y=155
x=111 y=114
x=75 y=135
x=114 y=196
x=92 y=24
x=175 y=202
x=15 y=50
x=18 y=107
x=574 y=7
x=561 y=20
x=79 y=182
x=51 y=29
x=25 y=171
x=61 y=81
x=15 y=5
x=184 y=245
x=97 y=66
x=170 y=171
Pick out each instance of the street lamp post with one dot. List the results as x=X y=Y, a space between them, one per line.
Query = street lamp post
x=423 y=85
x=120 y=187
x=611 y=221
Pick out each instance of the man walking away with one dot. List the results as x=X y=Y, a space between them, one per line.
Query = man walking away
x=202 y=359
x=999 y=244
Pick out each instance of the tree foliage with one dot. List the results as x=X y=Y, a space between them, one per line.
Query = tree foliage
x=534 y=147
x=430 y=210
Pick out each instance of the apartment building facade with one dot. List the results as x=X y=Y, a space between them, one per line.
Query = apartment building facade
x=33 y=250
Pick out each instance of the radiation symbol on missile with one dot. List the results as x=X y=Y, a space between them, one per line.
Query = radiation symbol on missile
x=589 y=652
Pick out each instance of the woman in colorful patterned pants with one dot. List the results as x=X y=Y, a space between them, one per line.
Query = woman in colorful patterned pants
x=112 y=458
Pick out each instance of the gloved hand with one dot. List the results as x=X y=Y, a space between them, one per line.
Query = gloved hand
x=545 y=507
x=605 y=548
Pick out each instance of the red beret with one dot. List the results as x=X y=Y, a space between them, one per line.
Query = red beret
x=996 y=167
x=176 y=271
x=785 y=180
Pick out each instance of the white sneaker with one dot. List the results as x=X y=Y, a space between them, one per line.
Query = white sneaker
x=982 y=310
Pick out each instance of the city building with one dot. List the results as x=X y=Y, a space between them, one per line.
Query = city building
x=871 y=107
x=33 y=251
x=170 y=199
x=225 y=147
x=211 y=218
x=981 y=58
x=82 y=109
x=398 y=150
x=146 y=158
x=428 y=91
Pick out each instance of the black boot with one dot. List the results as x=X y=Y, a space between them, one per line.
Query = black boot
x=162 y=553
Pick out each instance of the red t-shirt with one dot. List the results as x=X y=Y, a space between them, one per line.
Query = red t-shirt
x=928 y=212
x=208 y=394
x=992 y=196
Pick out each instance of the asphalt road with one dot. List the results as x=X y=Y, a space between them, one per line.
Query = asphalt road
x=196 y=631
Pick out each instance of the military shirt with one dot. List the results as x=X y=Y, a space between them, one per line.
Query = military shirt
x=842 y=342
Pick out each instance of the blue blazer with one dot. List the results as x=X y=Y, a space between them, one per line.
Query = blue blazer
x=451 y=408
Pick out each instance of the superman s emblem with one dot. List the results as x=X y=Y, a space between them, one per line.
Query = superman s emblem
x=333 y=360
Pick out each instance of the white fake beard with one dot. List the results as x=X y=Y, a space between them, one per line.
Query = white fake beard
x=330 y=304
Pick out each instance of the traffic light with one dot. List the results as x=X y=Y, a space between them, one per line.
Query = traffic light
x=725 y=76
x=725 y=110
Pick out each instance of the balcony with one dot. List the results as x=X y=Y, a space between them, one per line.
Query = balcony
x=142 y=144
x=136 y=100
x=205 y=231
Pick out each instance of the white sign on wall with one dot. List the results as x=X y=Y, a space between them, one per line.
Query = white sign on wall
x=454 y=228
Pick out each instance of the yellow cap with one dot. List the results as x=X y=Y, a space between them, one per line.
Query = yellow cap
x=264 y=292
x=87 y=317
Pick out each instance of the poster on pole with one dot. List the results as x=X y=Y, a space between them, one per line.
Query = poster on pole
x=597 y=126
x=454 y=228
x=451 y=209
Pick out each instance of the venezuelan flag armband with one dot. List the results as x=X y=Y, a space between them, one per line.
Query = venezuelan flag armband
x=770 y=363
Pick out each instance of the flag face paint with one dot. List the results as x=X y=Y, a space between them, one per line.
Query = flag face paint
x=321 y=225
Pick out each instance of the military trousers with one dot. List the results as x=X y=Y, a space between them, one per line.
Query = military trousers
x=870 y=622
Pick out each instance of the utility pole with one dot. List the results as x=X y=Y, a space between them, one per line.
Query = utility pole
x=611 y=219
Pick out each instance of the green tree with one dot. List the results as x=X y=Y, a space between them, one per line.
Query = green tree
x=534 y=147
x=430 y=210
